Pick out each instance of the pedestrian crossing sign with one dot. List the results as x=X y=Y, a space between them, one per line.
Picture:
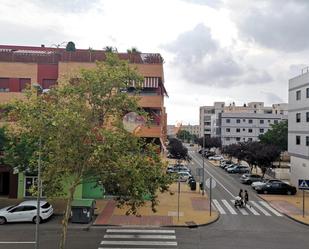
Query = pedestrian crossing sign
x=303 y=184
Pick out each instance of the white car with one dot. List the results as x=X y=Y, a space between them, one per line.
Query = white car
x=260 y=183
x=217 y=158
x=184 y=176
x=26 y=211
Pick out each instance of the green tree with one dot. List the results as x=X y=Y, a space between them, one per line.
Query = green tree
x=277 y=135
x=70 y=47
x=133 y=50
x=184 y=135
x=83 y=138
x=177 y=150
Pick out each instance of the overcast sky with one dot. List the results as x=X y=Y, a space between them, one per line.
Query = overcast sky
x=214 y=50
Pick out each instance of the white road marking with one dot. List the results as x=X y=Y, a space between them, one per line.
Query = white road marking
x=139 y=243
x=218 y=206
x=17 y=242
x=260 y=208
x=137 y=236
x=265 y=204
x=242 y=210
x=132 y=248
x=139 y=231
x=252 y=209
x=232 y=211
x=214 y=178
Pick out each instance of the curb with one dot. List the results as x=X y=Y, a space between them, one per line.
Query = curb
x=171 y=226
x=286 y=215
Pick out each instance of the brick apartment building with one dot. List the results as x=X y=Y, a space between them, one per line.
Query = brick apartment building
x=22 y=65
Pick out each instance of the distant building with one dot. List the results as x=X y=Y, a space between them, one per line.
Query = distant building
x=192 y=129
x=235 y=124
x=298 y=136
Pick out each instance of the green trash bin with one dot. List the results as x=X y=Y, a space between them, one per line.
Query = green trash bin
x=82 y=210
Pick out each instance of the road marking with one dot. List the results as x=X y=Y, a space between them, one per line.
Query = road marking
x=260 y=208
x=242 y=210
x=133 y=248
x=137 y=236
x=265 y=204
x=232 y=211
x=139 y=231
x=218 y=206
x=17 y=242
x=252 y=209
x=140 y=243
x=214 y=178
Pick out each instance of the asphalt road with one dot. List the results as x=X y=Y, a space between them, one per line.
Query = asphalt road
x=231 y=231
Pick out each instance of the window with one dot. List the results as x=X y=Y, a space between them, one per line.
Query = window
x=23 y=82
x=237 y=121
x=307 y=140
x=307 y=92
x=228 y=120
x=261 y=130
x=243 y=120
x=307 y=116
x=298 y=117
x=17 y=209
x=250 y=130
x=298 y=140
x=268 y=121
x=298 y=95
x=227 y=139
x=238 y=139
x=228 y=129
x=250 y=121
x=48 y=83
x=250 y=139
x=29 y=208
x=243 y=129
x=237 y=130
x=275 y=121
x=261 y=121
x=4 y=85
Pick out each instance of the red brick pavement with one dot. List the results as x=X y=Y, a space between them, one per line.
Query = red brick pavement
x=200 y=203
x=143 y=220
x=106 y=214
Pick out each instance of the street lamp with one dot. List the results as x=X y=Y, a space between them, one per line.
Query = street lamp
x=203 y=156
x=39 y=90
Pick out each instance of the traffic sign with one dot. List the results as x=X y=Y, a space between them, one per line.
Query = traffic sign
x=210 y=183
x=303 y=184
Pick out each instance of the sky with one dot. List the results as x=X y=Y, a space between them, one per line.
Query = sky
x=214 y=50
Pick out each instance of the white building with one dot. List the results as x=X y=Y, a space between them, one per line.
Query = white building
x=298 y=136
x=240 y=123
x=192 y=129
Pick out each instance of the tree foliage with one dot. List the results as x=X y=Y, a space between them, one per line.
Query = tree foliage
x=83 y=138
x=277 y=135
x=70 y=47
x=210 y=142
x=177 y=150
x=184 y=135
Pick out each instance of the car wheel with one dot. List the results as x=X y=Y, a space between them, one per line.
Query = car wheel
x=34 y=220
x=289 y=192
x=265 y=192
x=2 y=220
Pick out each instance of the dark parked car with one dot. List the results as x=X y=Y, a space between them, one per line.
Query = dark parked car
x=238 y=169
x=250 y=178
x=276 y=188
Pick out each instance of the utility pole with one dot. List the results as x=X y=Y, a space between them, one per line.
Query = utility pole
x=203 y=156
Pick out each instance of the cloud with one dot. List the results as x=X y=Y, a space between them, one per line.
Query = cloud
x=74 y=6
x=202 y=61
x=210 y=3
x=275 y=24
x=272 y=98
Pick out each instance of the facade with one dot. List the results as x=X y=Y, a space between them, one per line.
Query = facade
x=192 y=129
x=298 y=136
x=23 y=65
x=235 y=124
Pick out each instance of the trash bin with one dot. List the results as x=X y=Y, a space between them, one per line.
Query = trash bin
x=82 y=210
x=201 y=186
x=193 y=185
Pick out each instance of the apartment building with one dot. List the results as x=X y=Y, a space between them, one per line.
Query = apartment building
x=235 y=124
x=298 y=135
x=192 y=129
x=23 y=65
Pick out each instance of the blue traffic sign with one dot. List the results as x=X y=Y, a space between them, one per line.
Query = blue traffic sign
x=303 y=184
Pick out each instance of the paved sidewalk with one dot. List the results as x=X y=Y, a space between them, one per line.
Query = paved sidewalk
x=194 y=210
x=291 y=206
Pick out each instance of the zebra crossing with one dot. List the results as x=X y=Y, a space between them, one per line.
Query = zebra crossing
x=124 y=238
x=253 y=208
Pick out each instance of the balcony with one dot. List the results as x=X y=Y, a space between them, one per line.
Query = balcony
x=151 y=101
x=150 y=131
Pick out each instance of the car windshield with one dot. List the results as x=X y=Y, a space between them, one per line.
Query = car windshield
x=11 y=207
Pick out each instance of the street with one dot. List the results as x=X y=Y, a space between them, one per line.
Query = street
x=258 y=226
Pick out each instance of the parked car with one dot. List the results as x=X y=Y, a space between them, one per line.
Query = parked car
x=184 y=176
x=225 y=163
x=250 y=178
x=177 y=168
x=208 y=154
x=216 y=158
x=276 y=188
x=262 y=182
x=238 y=169
x=226 y=167
x=26 y=211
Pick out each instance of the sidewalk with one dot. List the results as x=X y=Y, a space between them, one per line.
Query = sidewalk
x=194 y=211
x=291 y=206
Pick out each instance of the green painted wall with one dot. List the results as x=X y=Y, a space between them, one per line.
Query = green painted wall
x=90 y=190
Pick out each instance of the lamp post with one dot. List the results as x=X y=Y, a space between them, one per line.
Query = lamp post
x=39 y=91
x=203 y=156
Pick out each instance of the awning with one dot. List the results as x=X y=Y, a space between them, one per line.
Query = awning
x=151 y=82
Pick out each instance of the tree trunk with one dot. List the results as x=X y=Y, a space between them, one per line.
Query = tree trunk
x=66 y=217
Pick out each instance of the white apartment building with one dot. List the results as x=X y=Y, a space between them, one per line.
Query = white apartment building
x=240 y=123
x=298 y=136
x=192 y=129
